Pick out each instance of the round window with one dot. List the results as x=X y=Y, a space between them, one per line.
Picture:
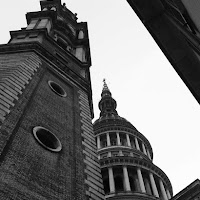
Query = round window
x=57 y=89
x=47 y=139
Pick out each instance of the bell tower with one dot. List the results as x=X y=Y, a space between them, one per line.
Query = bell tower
x=47 y=145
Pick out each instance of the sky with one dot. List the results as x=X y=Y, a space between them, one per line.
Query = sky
x=149 y=93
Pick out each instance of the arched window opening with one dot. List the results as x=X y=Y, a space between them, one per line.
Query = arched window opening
x=103 y=141
x=113 y=139
x=123 y=139
x=106 y=185
x=147 y=182
x=119 y=183
x=132 y=140
x=140 y=145
x=134 y=182
x=105 y=177
x=132 y=185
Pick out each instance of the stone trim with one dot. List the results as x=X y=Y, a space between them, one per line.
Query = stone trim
x=93 y=180
x=136 y=153
x=16 y=71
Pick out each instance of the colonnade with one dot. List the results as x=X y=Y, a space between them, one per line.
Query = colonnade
x=145 y=184
x=121 y=139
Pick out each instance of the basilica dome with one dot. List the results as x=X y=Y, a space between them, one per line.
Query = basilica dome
x=126 y=157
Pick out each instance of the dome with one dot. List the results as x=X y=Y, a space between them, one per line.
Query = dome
x=115 y=120
x=126 y=157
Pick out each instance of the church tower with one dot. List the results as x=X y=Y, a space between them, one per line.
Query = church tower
x=47 y=146
x=126 y=157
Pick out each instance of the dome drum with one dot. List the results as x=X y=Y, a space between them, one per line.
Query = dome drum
x=121 y=130
x=109 y=140
x=130 y=180
x=136 y=162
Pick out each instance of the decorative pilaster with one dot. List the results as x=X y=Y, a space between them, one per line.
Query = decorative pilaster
x=92 y=168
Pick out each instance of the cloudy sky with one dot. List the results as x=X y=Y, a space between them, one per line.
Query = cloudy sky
x=148 y=91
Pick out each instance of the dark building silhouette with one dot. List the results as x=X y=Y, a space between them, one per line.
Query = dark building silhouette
x=175 y=26
x=47 y=146
x=126 y=157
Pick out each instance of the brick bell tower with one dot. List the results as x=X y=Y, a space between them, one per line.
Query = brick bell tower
x=47 y=145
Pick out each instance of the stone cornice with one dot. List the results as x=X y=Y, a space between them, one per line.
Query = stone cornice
x=123 y=148
x=50 y=58
x=53 y=42
x=130 y=196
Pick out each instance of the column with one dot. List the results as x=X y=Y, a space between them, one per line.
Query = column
x=108 y=139
x=137 y=144
x=149 y=155
x=162 y=188
x=98 y=142
x=153 y=185
x=111 y=180
x=147 y=186
x=144 y=149
x=118 y=139
x=168 y=194
x=126 y=179
x=128 y=140
x=141 y=182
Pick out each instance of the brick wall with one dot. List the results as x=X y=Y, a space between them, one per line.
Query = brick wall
x=27 y=169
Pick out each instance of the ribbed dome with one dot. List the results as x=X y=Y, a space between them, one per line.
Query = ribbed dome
x=110 y=120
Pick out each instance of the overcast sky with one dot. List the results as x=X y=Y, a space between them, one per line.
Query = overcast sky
x=148 y=91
